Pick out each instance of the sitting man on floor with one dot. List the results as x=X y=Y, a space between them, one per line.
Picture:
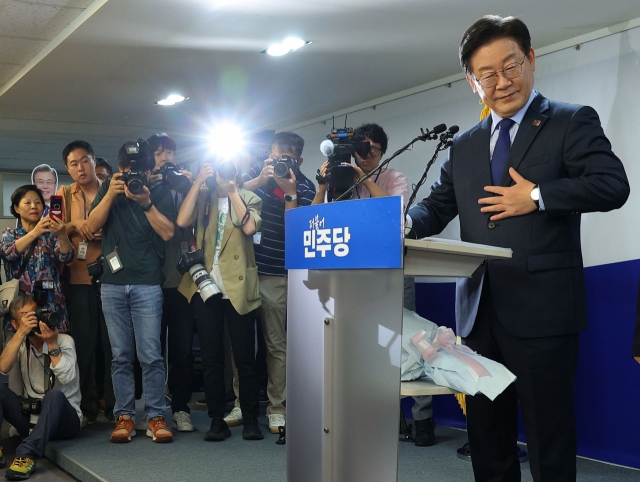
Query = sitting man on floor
x=51 y=386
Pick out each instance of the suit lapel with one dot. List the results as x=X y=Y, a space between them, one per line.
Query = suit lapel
x=532 y=122
x=481 y=138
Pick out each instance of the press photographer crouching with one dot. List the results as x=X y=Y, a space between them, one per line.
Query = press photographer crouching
x=135 y=222
x=50 y=401
x=221 y=282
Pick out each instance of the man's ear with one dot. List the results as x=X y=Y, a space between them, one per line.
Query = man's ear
x=300 y=160
x=472 y=84
x=14 y=323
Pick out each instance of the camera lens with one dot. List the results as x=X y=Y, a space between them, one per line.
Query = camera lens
x=178 y=182
x=227 y=170
x=209 y=291
x=281 y=169
x=135 y=185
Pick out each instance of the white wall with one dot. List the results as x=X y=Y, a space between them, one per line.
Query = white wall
x=604 y=74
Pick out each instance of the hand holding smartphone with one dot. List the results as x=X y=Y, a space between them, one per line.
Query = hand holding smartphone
x=55 y=207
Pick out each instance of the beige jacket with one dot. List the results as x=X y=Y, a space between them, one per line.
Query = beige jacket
x=237 y=260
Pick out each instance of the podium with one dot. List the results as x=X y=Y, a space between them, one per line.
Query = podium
x=346 y=267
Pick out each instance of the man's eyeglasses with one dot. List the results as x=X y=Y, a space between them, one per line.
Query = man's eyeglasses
x=511 y=71
x=375 y=152
x=44 y=183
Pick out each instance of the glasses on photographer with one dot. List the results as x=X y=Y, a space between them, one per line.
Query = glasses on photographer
x=375 y=151
x=511 y=71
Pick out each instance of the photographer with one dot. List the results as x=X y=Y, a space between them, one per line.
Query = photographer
x=87 y=321
x=51 y=386
x=177 y=315
x=278 y=194
x=387 y=182
x=231 y=291
x=135 y=222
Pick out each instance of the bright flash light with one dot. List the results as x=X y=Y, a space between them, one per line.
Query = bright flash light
x=287 y=45
x=226 y=140
x=172 y=100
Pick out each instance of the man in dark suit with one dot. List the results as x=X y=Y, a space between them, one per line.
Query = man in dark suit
x=522 y=183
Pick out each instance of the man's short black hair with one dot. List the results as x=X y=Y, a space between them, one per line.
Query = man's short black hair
x=488 y=29
x=72 y=146
x=18 y=303
x=102 y=162
x=375 y=133
x=163 y=140
x=146 y=161
x=290 y=142
x=21 y=192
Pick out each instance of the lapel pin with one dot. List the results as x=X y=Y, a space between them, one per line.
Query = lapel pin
x=537 y=122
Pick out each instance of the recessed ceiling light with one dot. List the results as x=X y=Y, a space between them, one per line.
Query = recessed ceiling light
x=172 y=99
x=287 y=45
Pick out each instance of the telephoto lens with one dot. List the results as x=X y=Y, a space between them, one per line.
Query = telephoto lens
x=227 y=170
x=209 y=291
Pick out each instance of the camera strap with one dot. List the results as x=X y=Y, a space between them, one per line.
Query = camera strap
x=27 y=257
x=205 y=222
x=244 y=219
x=49 y=377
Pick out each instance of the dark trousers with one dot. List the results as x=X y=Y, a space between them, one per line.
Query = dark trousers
x=58 y=420
x=177 y=318
x=210 y=322
x=545 y=368
x=89 y=332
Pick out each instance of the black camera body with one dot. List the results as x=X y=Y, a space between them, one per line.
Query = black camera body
x=225 y=169
x=282 y=165
x=345 y=146
x=140 y=159
x=49 y=317
x=172 y=176
x=31 y=406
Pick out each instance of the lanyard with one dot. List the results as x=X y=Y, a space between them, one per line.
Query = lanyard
x=375 y=181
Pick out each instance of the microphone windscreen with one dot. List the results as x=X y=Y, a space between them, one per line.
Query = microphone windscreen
x=439 y=128
x=453 y=129
x=326 y=147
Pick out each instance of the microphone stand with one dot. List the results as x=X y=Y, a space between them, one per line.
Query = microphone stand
x=425 y=136
x=444 y=144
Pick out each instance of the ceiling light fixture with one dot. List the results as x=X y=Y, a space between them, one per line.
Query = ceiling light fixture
x=287 y=45
x=172 y=99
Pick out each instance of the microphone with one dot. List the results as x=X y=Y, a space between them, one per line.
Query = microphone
x=326 y=147
x=453 y=129
x=438 y=129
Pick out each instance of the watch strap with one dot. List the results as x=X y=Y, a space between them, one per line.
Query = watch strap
x=55 y=351
x=289 y=198
x=148 y=207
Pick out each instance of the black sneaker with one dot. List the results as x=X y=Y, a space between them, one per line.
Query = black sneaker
x=262 y=396
x=251 y=430
x=218 y=430
x=425 y=436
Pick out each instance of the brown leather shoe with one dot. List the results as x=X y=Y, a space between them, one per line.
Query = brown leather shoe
x=125 y=429
x=158 y=430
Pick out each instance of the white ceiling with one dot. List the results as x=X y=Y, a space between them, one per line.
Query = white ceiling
x=100 y=83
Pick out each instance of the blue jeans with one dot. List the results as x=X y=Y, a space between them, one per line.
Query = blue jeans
x=133 y=315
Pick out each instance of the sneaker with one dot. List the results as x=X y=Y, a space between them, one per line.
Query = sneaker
x=86 y=421
x=425 y=436
x=125 y=429
x=262 y=396
x=143 y=424
x=182 y=422
x=201 y=403
x=276 y=420
x=20 y=469
x=251 y=430
x=234 y=418
x=158 y=430
x=219 y=430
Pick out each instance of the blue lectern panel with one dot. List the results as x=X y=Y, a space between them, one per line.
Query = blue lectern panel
x=358 y=234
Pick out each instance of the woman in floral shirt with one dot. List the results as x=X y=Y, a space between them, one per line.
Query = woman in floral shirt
x=27 y=204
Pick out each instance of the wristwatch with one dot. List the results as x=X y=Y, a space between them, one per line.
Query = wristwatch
x=535 y=195
x=290 y=198
x=55 y=351
x=147 y=207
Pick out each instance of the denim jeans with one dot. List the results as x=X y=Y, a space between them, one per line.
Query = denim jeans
x=133 y=314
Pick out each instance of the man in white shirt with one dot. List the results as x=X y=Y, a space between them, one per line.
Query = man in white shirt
x=51 y=386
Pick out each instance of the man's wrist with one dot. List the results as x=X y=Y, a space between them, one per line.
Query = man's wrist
x=146 y=207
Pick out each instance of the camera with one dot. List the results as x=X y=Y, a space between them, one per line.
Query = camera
x=49 y=317
x=225 y=169
x=138 y=157
x=340 y=146
x=193 y=263
x=31 y=406
x=172 y=176
x=282 y=165
x=95 y=270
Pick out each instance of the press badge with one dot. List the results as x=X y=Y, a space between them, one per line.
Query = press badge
x=257 y=238
x=184 y=247
x=82 y=249
x=114 y=261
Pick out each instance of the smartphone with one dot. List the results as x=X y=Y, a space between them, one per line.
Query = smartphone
x=55 y=207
